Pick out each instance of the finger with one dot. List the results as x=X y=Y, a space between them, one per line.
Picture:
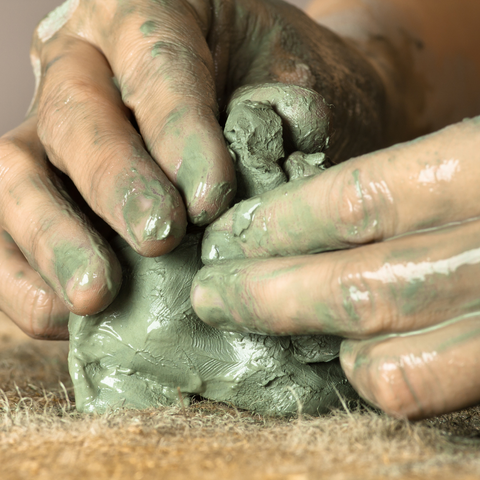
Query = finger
x=418 y=375
x=57 y=242
x=406 y=284
x=166 y=79
x=26 y=298
x=422 y=184
x=98 y=148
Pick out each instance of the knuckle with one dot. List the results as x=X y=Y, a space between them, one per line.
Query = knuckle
x=11 y=148
x=63 y=101
x=15 y=166
x=42 y=314
x=366 y=308
x=160 y=63
x=360 y=211
x=358 y=301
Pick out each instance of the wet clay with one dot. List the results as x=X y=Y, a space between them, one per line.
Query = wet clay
x=264 y=124
x=149 y=343
x=56 y=19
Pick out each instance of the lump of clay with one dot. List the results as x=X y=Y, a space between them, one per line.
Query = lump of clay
x=264 y=118
x=300 y=165
x=255 y=134
x=149 y=343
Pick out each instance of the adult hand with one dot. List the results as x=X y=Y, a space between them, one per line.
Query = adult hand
x=406 y=297
x=104 y=66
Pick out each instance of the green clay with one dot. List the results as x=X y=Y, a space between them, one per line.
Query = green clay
x=265 y=118
x=255 y=134
x=56 y=19
x=146 y=206
x=77 y=267
x=149 y=342
x=7 y=237
x=148 y=28
x=306 y=118
x=299 y=165
x=262 y=122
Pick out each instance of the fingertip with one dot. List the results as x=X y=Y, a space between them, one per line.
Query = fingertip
x=53 y=327
x=159 y=234
x=207 y=302
x=157 y=248
x=355 y=363
x=348 y=356
x=95 y=284
x=203 y=296
x=155 y=222
x=211 y=201
x=205 y=173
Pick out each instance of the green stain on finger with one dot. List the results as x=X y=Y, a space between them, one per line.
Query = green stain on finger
x=148 y=28
x=7 y=237
x=71 y=263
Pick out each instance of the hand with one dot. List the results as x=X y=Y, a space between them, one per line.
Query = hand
x=168 y=67
x=399 y=279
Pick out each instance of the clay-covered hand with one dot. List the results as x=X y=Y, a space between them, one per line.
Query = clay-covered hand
x=127 y=106
x=406 y=297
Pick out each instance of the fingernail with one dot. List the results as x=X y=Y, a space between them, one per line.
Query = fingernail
x=224 y=242
x=220 y=245
x=355 y=364
x=209 y=305
x=153 y=218
x=209 y=302
x=209 y=202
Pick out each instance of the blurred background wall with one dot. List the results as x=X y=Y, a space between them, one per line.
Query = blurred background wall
x=17 y=21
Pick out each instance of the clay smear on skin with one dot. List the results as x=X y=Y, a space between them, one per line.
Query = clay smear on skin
x=56 y=19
